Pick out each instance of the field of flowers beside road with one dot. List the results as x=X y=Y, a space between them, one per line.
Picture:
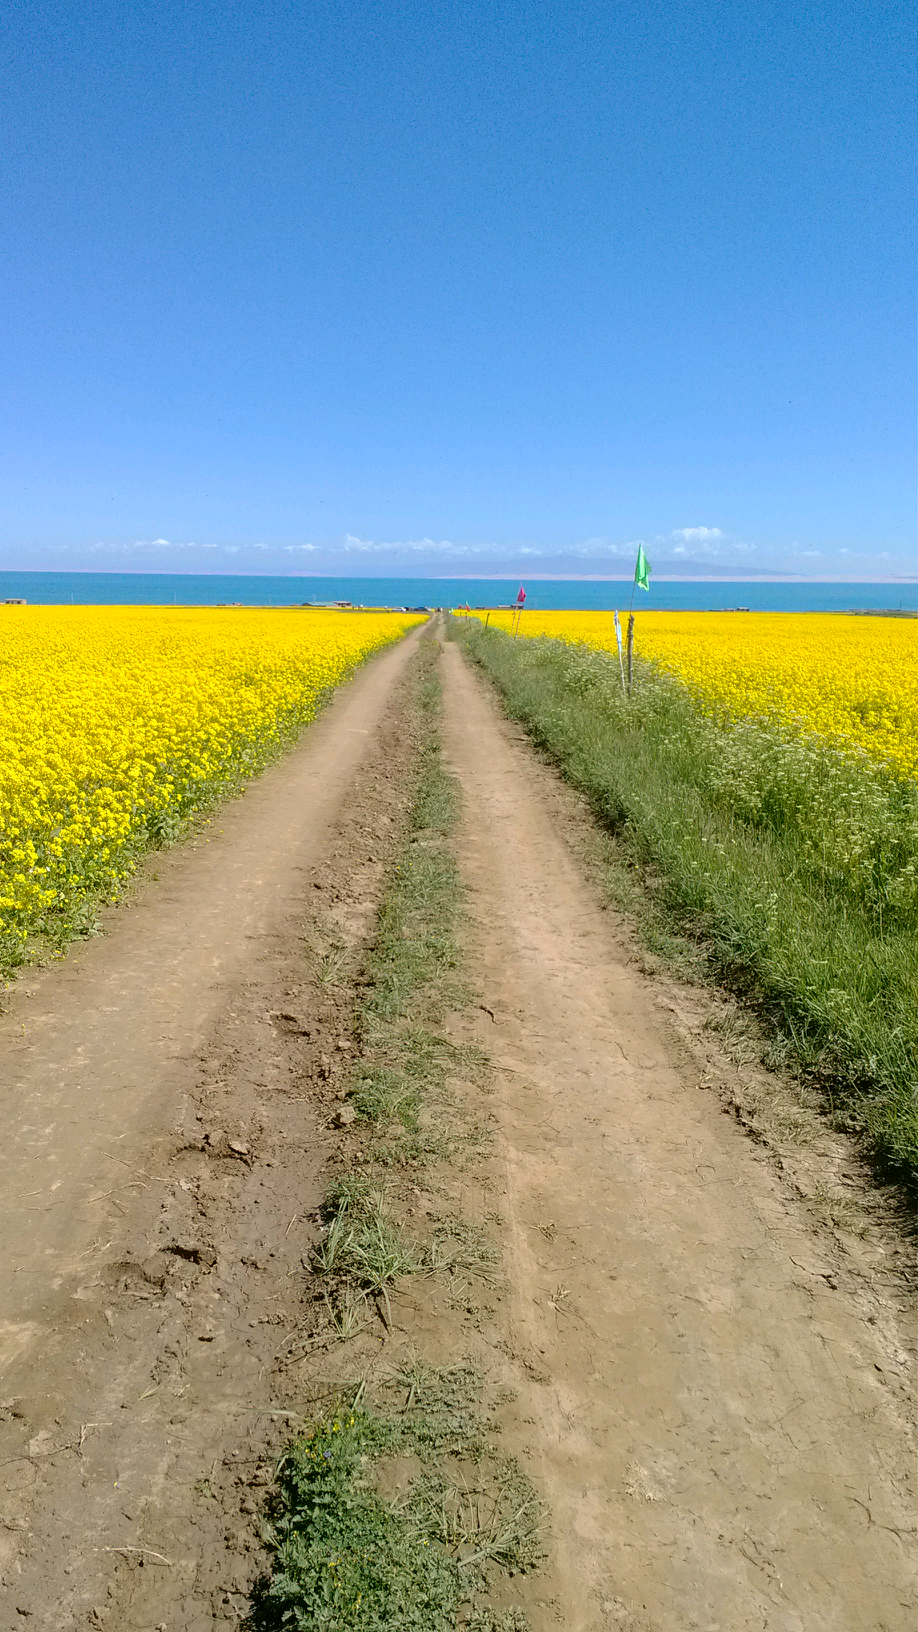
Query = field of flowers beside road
x=853 y=681
x=761 y=779
x=118 y=723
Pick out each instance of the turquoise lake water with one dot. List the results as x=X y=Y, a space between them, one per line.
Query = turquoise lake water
x=167 y=589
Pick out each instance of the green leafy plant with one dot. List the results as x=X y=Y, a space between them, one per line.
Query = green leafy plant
x=344 y=1555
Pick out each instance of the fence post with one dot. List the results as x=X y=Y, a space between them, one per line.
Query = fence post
x=630 y=649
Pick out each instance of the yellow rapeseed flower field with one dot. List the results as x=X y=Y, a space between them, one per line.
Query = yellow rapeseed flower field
x=118 y=722
x=851 y=680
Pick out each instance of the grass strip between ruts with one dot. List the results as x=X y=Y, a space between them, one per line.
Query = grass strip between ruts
x=346 y=1552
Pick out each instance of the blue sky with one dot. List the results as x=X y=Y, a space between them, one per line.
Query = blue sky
x=367 y=287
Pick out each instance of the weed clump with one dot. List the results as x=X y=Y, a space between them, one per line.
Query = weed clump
x=343 y=1556
x=362 y=1244
x=346 y=1554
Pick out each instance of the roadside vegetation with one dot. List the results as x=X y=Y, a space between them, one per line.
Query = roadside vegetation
x=791 y=865
x=851 y=681
x=396 y=1508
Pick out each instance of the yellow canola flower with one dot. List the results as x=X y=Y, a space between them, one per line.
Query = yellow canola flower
x=116 y=722
x=853 y=680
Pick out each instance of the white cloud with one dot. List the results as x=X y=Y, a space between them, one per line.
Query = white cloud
x=704 y=542
x=697 y=535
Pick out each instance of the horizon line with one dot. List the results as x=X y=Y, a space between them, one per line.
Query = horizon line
x=762 y=577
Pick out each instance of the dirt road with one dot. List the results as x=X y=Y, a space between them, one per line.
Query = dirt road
x=142 y=1254
x=723 y=1435
x=716 y=1413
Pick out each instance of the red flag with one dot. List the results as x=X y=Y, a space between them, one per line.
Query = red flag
x=521 y=596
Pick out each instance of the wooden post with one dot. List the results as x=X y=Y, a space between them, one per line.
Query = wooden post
x=630 y=648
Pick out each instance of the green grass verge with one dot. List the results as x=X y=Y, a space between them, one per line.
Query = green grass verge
x=793 y=866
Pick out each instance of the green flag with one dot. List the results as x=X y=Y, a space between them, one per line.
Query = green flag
x=642 y=569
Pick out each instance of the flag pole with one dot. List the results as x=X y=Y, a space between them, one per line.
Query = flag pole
x=517 y=617
x=642 y=571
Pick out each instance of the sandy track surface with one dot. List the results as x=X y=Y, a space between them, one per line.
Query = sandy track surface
x=722 y=1429
x=144 y=1258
